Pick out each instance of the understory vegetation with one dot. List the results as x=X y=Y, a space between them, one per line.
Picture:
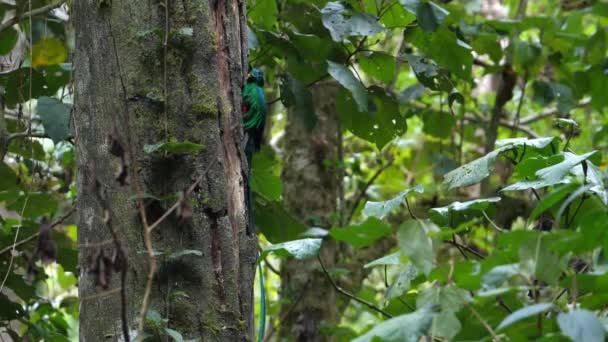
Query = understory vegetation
x=470 y=165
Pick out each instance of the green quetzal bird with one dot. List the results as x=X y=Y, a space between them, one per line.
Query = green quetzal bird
x=254 y=119
x=254 y=112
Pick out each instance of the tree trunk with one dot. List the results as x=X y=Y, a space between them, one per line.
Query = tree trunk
x=311 y=187
x=145 y=73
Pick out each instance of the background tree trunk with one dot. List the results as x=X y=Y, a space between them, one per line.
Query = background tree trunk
x=311 y=185
x=145 y=73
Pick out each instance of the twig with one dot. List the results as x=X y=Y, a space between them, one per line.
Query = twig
x=521 y=99
x=467 y=248
x=174 y=206
x=349 y=295
x=40 y=10
x=35 y=235
x=369 y=183
x=483 y=322
x=491 y=222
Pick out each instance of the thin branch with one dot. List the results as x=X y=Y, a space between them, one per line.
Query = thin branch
x=174 y=206
x=369 y=183
x=349 y=295
x=465 y=247
x=41 y=10
x=548 y=113
x=483 y=322
x=35 y=235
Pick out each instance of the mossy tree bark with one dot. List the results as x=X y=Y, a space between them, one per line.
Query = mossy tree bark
x=147 y=72
x=311 y=188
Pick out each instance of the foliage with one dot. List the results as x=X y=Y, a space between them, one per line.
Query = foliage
x=504 y=239
x=484 y=131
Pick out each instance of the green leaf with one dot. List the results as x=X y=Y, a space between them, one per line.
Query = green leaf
x=479 y=169
x=34 y=205
x=8 y=39
x=445 y=49
x=363 y=234
x=8 y=178
x=379 y=65
x=175 y=147
x=415 y=243
x=438 y=124
x=498 y=275
x=346 y=78
x=429 y=74
x=525 y=312
x=527 y=57
x=391 y=259
x=595 y=50
x=55 y=117
x=402 y=283
x=379 y=127
x=263 y=14
x=274 y=221
x=8 y=309
x=404 y=328
x=581 y=325
x=265 y=174
x=381 y=209
x=429 y=15
x=176 y=336
x=488 y=44
x=449 y=298
x=154 y=317
x=552 y=199
x=299 y=249
x=442 y=215
x=185 y=252
x=397 y=17
x=551 y=175
x=537 y=258
x=411 y=93
x=298 y=98
x=446 y=324
x=341 y=23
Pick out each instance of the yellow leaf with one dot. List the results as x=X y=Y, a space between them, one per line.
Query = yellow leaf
x=48 y=51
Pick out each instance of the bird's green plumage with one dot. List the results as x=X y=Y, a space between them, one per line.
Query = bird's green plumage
x=254 y=119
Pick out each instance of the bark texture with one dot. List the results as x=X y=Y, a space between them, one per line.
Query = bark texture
x=311 y=188
x=136 y=84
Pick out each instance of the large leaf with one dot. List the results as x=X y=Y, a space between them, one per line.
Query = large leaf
x=299 y=249
x=429 y=15
x=48 y=51
x=416 y=244
x=479 y=169
x=341 y=23
x=265 y=174
x=379 y=65
x=538 y=259
x=346 y=78
x=391 y=259
x=402 y=283
x=363 y=234
x=442 y=215
x=263 y=14
x=404 y=328
x=552 y=199
x=444 y=48
x=274 y=221
x=381 y=209
x=8 y=39
x=525 y=312
x=498 y=275
x=429 y=73
x=8 y=178
x=551 y=175
x=581 y=325
x=55 y=117
x=378 y=127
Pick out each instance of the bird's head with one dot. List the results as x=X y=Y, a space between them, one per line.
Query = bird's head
x=256 y=76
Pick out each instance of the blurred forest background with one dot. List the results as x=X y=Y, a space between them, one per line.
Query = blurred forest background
x=431 y=169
